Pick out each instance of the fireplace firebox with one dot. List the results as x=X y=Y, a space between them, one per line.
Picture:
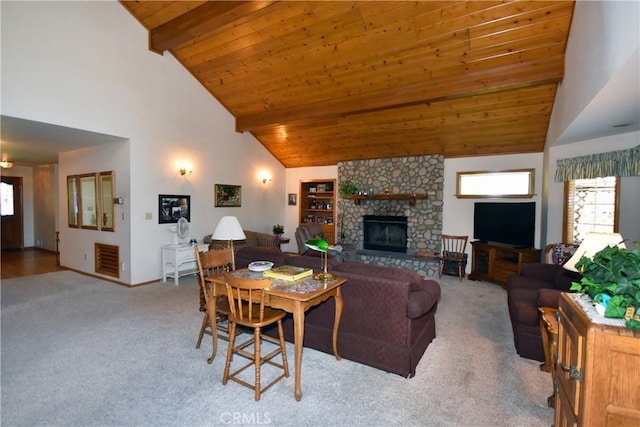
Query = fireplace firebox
x=385 y=233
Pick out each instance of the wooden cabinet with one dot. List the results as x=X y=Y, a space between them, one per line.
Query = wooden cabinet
x=495 y=262
x=318 y=204
x=598 y=369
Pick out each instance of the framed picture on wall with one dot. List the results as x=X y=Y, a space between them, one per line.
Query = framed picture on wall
x=293 y=199
x=172 y=207
x=229 y=196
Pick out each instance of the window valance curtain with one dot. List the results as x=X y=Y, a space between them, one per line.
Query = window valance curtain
x=613 y=163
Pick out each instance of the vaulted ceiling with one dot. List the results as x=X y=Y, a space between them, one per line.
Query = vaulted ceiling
x=321 y=82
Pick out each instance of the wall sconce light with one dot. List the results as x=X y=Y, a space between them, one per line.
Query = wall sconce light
x=265 y=177
x=185 y=169
x=6 y=164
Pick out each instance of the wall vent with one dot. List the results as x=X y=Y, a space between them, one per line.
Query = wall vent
x=107 y=259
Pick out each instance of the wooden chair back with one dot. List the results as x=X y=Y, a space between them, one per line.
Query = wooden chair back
x=454 y=247
x=212 y=262
x=247 y=300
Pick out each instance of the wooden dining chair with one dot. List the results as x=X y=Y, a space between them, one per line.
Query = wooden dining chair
x=246 y=299
x=210 y=263
x=453 y=251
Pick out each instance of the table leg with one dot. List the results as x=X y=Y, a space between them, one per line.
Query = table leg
x=298 y=328
x=553 y=355
x=546 y=365
x=336 y=322
x=213 y=324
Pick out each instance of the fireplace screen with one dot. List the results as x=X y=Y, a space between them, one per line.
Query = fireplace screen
x=385 y=233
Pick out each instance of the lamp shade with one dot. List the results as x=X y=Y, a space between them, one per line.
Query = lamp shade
x=592 y=244
x=228 y=228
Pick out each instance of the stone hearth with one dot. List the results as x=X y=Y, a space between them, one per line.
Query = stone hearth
x=419 y=174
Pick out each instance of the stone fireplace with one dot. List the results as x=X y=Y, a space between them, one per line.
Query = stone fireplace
x=385 y=233
x=398 y=175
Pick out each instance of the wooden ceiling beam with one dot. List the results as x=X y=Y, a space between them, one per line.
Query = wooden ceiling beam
x=508 y=77
x=200 y=21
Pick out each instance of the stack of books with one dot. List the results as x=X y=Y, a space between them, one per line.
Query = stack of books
x=288 y=272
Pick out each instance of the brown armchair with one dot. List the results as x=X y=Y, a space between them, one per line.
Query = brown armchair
x=308 y=231
x=537 y=285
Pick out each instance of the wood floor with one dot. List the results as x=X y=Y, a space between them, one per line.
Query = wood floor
x=27 y=262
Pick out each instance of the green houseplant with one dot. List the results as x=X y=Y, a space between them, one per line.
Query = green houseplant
x=612 y=277
x=347 y=187
x=278 y=229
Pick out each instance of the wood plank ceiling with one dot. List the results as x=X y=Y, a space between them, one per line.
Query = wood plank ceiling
x=321 y=82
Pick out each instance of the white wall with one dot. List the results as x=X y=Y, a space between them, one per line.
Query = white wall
x=603 y=36
x=292 y=217
x=629 y=225
x=86 y=65
x=457 y=214
x=45 y=206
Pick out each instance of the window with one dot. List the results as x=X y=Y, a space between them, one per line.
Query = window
x=517 y=183
x=590 y=205
x=90 y=201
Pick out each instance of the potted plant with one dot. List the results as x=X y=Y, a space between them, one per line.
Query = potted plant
x=278 y=230
x=612 y=279
x=347 y=187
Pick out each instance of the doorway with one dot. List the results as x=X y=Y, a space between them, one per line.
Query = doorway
x=11 y=210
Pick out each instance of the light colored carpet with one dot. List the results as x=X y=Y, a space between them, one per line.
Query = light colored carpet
x=77 y=351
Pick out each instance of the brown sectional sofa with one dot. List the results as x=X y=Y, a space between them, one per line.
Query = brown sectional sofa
x=537 y=285
x=254 y=238
x=388 y=319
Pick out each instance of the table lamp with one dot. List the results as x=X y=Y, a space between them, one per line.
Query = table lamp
x=229 y=229
x=591 y=245
x=323 y=247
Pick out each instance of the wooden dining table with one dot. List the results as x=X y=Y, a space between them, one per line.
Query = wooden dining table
x=294 y=297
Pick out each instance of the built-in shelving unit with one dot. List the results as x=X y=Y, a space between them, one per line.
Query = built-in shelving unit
x=357 y=198
x=317 y=204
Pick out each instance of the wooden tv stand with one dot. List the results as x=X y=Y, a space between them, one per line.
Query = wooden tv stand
x=494 y=262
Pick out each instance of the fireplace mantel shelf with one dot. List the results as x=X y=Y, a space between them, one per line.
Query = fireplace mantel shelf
x=410 y=197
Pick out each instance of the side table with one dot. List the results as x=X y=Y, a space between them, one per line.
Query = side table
x=178 y=261
x=283 y=241
x=549 y=333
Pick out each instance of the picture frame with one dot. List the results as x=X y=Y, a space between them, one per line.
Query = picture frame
x=229 y=196
x=172 y=207
x=293 y=199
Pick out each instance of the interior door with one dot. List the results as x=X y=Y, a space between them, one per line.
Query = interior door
x=11 y=210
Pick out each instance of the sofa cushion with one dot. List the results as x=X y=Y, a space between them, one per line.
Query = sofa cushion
x=247 y=254
x=563 y=279
x=423 y=298
x=548 y=298
x=251 y=239
x=310 y=262
x=525 y=309
x=254 y=238
x=379 y=271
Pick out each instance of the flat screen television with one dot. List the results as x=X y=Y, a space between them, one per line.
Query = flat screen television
x=507 y=223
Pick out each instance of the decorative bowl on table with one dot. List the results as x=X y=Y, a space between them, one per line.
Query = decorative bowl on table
x=260 y=265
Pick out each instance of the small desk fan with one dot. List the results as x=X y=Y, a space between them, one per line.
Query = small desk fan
x=180 y=230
